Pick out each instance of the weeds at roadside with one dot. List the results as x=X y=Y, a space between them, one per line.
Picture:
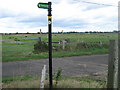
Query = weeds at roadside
x=62 y=82
x=57 y=76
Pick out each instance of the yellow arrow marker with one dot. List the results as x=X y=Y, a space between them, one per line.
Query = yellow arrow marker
x=49 y=17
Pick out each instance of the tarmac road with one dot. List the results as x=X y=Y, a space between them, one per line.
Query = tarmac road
x=72 y=66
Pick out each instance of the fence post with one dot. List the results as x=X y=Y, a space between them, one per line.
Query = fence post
x=43 y=77
x=119 y=63
x=113 y=65
x=40 y=39
x=116 y=64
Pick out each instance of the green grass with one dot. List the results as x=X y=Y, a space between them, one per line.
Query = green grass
x=57 y=54
x=16 y=52
x=17 y=78
x=63 y=82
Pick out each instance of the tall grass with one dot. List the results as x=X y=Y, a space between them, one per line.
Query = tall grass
x=34 y=82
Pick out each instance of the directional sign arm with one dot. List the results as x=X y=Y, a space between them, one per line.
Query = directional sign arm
x=42 y=5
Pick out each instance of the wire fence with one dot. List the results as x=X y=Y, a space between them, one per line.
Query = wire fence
x=18 y=42
x=19 y=39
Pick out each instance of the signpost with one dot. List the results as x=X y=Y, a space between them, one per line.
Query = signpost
x=48 y=6
x=43 y=5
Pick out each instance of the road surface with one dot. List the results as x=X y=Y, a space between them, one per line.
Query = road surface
x=72 y=66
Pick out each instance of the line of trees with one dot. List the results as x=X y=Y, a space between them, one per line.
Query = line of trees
x=114 y=31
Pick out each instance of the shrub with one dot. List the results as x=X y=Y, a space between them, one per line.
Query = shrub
x=40 y=47
x=84 y=45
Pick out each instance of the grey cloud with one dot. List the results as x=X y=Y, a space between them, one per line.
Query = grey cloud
x=76 y=23
x=5 y=13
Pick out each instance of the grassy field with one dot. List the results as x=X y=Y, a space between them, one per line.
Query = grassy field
x=16 y=50
x=67 y=82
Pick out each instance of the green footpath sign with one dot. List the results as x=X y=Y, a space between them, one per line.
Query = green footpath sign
x=43 y=5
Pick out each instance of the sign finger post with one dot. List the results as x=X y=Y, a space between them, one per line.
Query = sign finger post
x=48 y=7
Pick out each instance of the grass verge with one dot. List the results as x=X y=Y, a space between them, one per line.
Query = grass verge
x=89 y=51
x=64 y=82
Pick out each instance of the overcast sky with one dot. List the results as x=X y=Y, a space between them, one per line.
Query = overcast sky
x=68 y=15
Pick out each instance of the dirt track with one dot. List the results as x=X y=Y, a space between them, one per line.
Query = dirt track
x=72 y=66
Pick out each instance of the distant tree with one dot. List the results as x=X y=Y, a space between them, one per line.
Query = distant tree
x=86 y=31
x=90 y=31
x=16 y=33
x=115 y=31
x=101 y=32
x=94 y=32
x=38 y=32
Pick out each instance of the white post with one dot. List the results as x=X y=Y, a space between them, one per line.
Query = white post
x=43 y=77
x=63 y=44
